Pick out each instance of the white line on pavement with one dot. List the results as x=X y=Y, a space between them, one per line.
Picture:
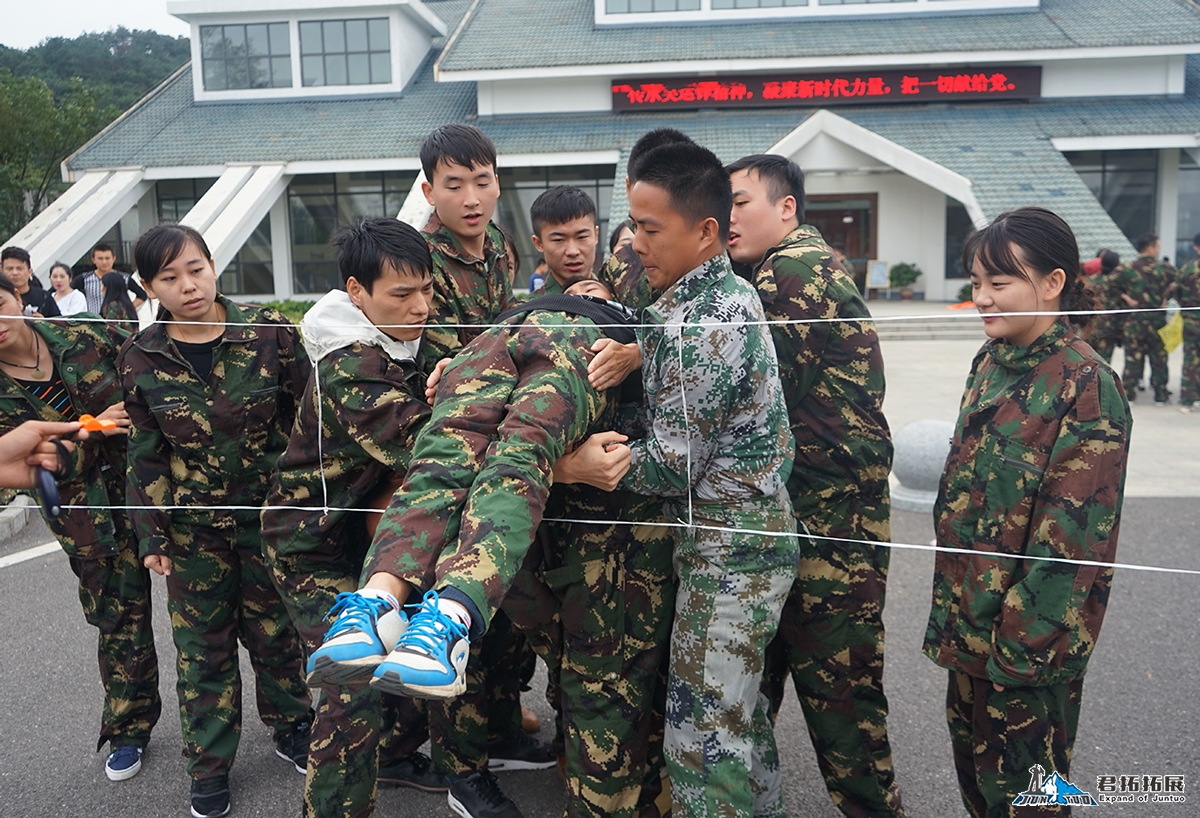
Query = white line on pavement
x=29 y=554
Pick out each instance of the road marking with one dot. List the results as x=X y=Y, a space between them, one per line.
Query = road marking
x=30 y=554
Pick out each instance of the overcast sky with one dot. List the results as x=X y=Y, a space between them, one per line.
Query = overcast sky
x=27 y=23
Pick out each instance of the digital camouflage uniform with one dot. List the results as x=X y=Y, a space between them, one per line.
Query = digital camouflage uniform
x=831 y=633
x=1106 y=332
x=1036 y=467
x=720 y=449
x=200 y=461
x=466 y=290
x=1187 y=292
x=371 y=407
x=625 y=276
x=1147 y=281
x=114 y=588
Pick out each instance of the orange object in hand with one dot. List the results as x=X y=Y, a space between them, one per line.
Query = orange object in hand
x=93 y=424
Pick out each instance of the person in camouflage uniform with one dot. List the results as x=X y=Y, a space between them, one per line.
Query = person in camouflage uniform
x=353 y=435
x=1144 y=284
x=79 y=362
x=1107 y=331
x=1187 y=292
x=1036 y=469
x=831 y=633
x=211 y=404
x=720 y=450
x=566 y=233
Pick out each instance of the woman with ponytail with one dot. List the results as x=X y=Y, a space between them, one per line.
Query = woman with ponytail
x=1032 y=493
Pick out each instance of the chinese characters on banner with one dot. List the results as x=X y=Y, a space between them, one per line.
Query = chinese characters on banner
x=924 y=85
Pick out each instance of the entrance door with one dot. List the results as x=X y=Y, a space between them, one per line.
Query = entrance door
x=848 y=220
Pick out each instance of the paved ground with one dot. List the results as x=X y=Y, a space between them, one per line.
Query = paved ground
x=1140 y=714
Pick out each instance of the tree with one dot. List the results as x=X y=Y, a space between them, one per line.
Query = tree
x=39 y=133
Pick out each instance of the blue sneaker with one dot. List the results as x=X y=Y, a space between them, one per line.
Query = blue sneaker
x=364 y=630
x=430 y=660
x=123 y=762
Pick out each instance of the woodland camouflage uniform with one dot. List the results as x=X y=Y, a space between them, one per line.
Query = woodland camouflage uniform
x=1147 y=281
x=831 y=633
x=195 y=450
x=114 y=588
x=1106 y=331
x=1036 y=468
x=720 y=450
x=1187 y=291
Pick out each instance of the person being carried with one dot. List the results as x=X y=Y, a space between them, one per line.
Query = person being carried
x=831 y=633
x=212 y=391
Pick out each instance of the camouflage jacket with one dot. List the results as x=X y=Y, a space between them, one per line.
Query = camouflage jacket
x=371 y=408
x=1187 y=288
x=85 y=358
x=717 y=417
x=1036 y=467
x=625 y=275
x=832 y=373
x=466 y=290
x=1147 y=281
x=201 y=444
x=1106 y=289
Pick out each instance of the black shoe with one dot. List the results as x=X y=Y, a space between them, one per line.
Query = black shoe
x=413 y=771
x=479 y=796
x=210 y=797
x=518 y=751
x=293 y=745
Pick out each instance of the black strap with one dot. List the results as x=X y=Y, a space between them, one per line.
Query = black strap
x=612 y=320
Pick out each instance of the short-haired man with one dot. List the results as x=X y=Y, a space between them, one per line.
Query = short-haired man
x=720 y=450
x=566 y=233
x=1187 y=292
x=353 y=436
x=104 y=258
x=831 y=633
x=1145 y=284
x=17 y=266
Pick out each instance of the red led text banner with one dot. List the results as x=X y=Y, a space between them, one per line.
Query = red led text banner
x=833 y=88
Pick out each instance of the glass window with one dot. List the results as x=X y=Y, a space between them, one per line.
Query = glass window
x=237 y=57
x=252 y=270
x=177 y=196
x=959 y=228
x=320 y=203
x=345 y=52
x=1124 y=182
x=520 y=186
x=1187 y=223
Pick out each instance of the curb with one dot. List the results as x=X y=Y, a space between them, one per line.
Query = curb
x=16 y=516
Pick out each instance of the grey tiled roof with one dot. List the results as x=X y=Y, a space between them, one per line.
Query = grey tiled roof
x=540 y=33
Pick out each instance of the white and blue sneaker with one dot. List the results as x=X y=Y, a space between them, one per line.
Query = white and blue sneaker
x=123 y=762
x=364 y=631
x=430 y=660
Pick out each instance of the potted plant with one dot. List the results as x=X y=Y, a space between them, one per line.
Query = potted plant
x=901 y=276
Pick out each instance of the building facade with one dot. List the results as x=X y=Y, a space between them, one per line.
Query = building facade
x=914 y=120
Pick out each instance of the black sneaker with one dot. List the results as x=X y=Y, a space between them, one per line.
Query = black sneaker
x=210 y=797
x=293 y=746
x=518 y=751
x=479 y=796
x=413 y=771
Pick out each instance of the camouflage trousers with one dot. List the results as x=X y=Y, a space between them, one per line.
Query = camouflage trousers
x=1142 y=341
x=357 y=730
x=720 y=744
x=998 y=736
x=830 y=642
x=219 y=593
x=1189 y=381
x=599 y=603
x=115 y=595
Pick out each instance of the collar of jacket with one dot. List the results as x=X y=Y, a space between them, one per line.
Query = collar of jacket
x=763 y=277
x=445 y=242
x=1022 y=359
x=155 y=338
x=686 y=289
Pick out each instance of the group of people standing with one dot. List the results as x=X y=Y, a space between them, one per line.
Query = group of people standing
x=1138 y=293
x=667 y=480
